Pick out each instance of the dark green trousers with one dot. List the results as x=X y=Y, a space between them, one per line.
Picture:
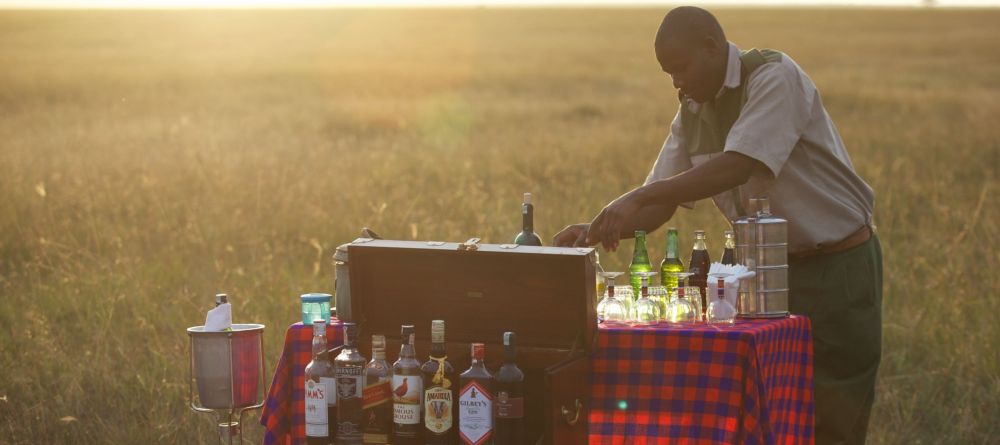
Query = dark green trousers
x=841 y=293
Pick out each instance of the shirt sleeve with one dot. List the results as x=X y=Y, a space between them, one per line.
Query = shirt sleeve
x=774 y=117
x=673 y=158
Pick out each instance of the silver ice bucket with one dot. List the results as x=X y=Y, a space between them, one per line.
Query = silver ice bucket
x=228 y=366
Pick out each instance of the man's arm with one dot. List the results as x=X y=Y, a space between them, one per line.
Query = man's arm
x=710 y=178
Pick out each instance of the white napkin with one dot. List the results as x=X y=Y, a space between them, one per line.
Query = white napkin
x=732 y=276
x=220 y=318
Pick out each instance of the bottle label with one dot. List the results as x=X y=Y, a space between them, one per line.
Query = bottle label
x=437 y=406
x=377 y=394
x=350 y=383
x=317 y=407
x=406 y=399
x=475 y=414
x=509 y=407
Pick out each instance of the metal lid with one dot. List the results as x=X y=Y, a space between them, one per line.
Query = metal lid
x=316 y=298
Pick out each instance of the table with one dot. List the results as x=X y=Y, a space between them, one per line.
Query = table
x=748 y=383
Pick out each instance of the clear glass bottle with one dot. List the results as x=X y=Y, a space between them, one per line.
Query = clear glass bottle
x=439 y=391
x=349 y=370
x=320 y=391
x=378 y=393
x=720 y=310
x=640 y=263
x=527 y=237
x=475 y=401
x=671 y=264
x=407 y=392
x=510 y=397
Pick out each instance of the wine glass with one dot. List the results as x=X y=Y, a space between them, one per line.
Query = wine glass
x=611 y=307
x=625 y=294
x=681 y=310
x=660 y=296
x=720 y=310
x=646 y=309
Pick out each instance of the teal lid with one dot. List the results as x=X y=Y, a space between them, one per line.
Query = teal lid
x=315 y=298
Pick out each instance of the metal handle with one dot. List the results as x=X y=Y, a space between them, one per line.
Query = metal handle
x=572 y=417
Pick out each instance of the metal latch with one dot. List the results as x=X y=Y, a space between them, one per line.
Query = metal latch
x=471 y=245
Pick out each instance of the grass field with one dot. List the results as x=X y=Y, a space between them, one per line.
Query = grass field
x=151 y=159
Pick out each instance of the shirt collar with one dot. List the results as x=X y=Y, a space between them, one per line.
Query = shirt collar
x=733 y=67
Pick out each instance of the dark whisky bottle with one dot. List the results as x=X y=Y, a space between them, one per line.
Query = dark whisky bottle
x=377 y=396
x=349 y=370
x=510 y=397
x=407 y=391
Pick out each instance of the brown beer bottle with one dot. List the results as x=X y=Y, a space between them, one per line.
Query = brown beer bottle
x=698 y=267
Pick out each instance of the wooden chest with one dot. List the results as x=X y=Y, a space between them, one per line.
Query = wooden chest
x=544 y=294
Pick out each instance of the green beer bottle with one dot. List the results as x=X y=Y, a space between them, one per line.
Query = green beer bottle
x=640 y=262
x=671 y=262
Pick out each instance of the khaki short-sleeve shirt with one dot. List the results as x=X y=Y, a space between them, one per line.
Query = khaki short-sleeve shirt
x=811 y=181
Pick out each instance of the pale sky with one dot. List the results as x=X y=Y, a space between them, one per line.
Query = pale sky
x=158 y=4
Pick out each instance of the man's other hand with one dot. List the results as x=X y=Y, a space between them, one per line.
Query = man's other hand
x=574 y=235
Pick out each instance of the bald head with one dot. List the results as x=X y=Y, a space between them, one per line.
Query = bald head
x=691 y=48
x=689 y=26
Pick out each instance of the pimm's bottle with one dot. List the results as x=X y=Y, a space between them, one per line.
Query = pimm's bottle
x=320 y=391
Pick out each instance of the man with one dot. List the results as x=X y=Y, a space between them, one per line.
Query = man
x=752 y=124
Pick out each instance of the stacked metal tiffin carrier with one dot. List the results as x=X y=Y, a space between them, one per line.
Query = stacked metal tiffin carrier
x=762 y=245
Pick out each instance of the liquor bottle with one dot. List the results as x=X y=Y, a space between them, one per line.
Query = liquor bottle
x=349 y=370
x=320 y=391
x=698 y=266
x=671 y=264
x=407 y=389
x=598 y=270
x=510 y=397
x=527 y=237
x=377 y=396
x=729 y=250
x=439 y=391
x=640 y=263
x=475 y=401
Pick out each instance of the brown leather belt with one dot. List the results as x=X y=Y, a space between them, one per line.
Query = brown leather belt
x=853 y=240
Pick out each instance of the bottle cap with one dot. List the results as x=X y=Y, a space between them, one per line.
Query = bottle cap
x=407 y=332
x=527 y=198
x=319 y=327
x=221 y=298
x=699 y=233
x=437 y=331
x=478 y=351
x=639 y=233
x=729 y=234
x=508 y=339
x=378 y=342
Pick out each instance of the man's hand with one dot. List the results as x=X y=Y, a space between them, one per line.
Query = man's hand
x=574 y=235
x=606 y=227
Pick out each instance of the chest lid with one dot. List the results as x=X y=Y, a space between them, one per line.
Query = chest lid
x=544 y=294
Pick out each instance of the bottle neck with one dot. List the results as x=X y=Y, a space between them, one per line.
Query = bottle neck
x=478 y=363
x=318 y=345
x=672 y=245
x=640 y=256
x=527 y=217
x=406 y=350
x=438 y=350
x=699 y=243
x=509 y=354
x=378 y=354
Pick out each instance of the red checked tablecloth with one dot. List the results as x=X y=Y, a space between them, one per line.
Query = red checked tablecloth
x=750 y=383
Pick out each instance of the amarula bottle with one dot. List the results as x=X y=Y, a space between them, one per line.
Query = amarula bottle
x=439 y=391
x=671 y=264
x=640 y=263
x=527 y=237
x=349 y=369
x=729 y=249
x=320 y=391
x=698 y=267
x=407 y=389
x=377 y=396
x=510 y=397
x=475 y=401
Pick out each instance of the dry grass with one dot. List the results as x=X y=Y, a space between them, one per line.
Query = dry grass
x=148 y=160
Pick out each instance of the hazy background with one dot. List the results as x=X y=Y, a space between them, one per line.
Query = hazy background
x=151 y=159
